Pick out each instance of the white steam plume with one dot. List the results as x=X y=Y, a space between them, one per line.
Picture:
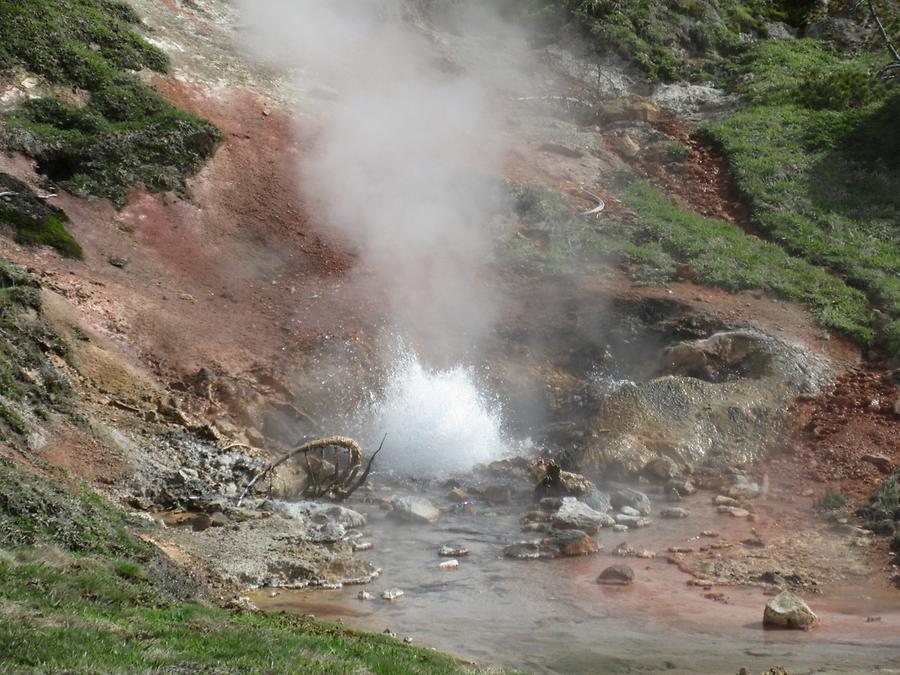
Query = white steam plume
x=401 y=168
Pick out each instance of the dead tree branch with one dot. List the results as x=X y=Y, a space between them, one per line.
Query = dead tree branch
x=339 y=485
x=895 y=55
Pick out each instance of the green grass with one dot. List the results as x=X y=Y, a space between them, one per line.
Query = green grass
x=663 y=235
x=35 y=221
x=78 y=593
x=684 y=39
x=816 y=157
x=882 y=511
x=127 y=135
x=28 y=380
x=831 y=500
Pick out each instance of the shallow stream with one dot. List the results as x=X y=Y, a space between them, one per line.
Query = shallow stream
x=551 y=616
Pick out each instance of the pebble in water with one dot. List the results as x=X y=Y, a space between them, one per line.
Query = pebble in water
x=448 y=565
x=392 y=594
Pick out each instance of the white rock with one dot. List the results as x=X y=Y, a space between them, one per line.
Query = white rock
x=448 y=565
x=392 y=594
x=788 y=611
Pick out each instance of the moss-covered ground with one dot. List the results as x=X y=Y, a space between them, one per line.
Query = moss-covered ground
x=124 y=134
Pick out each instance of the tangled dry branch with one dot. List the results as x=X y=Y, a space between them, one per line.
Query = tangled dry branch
x=337 y=479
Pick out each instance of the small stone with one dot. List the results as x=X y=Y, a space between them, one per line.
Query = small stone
x=683 y=486
x=629 y=511
x=632 y=521
x=458 y=495
x=734 y=511
x=620 y=528
x=645 y=554
x=219 y=519
x=624 y=550
x=364 y=595
x=722 y=500
x=408 y=640
x=786 y=610
x=680 y=549
x=448 y=565
x=880 y=462
x=362 y=546
x=616 y=575
x=709 y=533
x=558 y=544
x=633 y=498
x=674 y=513
x=392 y=594
x=453 y=551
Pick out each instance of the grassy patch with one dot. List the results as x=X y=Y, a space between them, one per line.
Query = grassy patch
x=882 y=512
x=816 y=156
x=82 y=598
x=127 y=134
x=685 y=39
x=832 y=500
x=34 y=221
x=663 y=235
x=28 y=380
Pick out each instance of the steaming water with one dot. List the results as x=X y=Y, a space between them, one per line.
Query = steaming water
x=437 y=421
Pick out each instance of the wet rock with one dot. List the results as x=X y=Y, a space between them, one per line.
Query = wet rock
x=453 y=550
x=360 y=546
x=414 y=509
x=552 y=481
x=628 y=511
x=392 y=594
x=539 y=516
x=682 y=486
x=575 y=515
x=743 y=488
x=616 y=575
x=632 y=522
x=560 y=543
x=497 y=494
x=661 y=469
x=722 y=500
x=633 y=498
x=625 y=550
x=219 y=519
x=448 y=565
x=598 y=500
x=550 y=503
x=321 y=513
x=786 y=610
x=458 y=495
x=674 y=513
x=619 y=528
x=364 y=595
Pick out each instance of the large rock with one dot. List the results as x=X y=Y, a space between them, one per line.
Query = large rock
x=616 y=575
x=558 y=544
x=575 y=515
x=721 y=401
x=414 y=509
x=630 y=108
x=786 y=610
x=633 y=498
x=598 y=500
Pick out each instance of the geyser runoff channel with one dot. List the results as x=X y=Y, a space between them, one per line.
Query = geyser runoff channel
x=437 y=421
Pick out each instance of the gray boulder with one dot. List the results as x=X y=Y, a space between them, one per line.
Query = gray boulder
x=575 y=515
x=558 y=544
x=633 y=498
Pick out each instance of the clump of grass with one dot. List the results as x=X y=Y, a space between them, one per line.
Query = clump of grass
x=831 y=500
x=127 y=134
x=77 y=595
x=882 y=511
x=28 y=380
x=816 y=157
x=34 y=221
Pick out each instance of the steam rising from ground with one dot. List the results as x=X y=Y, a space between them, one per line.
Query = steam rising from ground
x=401 y=161
x=437 y=422
x=400 y=168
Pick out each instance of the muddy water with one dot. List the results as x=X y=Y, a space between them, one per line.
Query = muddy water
x=551 y=616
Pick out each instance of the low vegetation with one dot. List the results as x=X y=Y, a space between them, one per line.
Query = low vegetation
x=816 y=156
x=882 y=512
x=103 y=131
x=831 y=500
x=78 y=593
x=29 y=382
x=664 y=241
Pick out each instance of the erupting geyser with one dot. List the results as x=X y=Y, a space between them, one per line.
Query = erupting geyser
x=437 y=421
